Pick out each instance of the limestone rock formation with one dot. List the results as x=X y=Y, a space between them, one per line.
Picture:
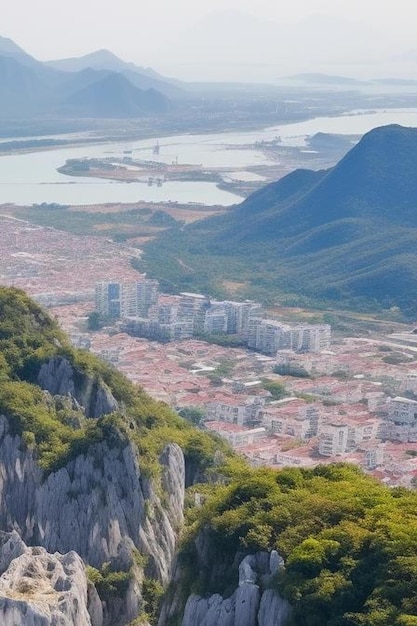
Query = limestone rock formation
x=250 y=605
x=273 y=610
x=99 y=505
x=95 y=504
x=59 y=378
x=41 y=589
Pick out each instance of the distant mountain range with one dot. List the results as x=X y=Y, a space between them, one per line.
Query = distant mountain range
x=141 y=77
x=346 y=234
x=98 y=85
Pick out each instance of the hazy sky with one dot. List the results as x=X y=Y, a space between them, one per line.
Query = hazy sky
x=141 y=30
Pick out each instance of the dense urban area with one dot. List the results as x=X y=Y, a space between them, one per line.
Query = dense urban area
x=282 y=392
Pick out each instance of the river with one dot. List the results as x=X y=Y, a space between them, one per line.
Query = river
x=33 y=178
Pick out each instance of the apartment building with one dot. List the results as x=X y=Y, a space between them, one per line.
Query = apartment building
x=121 y=300
x=301 y=422
x=107 y=299
x=267 y=336
x=399 y=417
x=191 y=314
x=239 y=314
x=240 y=413
x=192 y=308
x=215 y=321
x=375 y=457
x=244 y=438
x=344 y=436
x=270 y=336
x=334 y=439
x=310 y=338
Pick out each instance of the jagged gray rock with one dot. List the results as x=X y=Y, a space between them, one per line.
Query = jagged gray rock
x=59 y=378
x=99 y=505
x=273 y=610
x=94 y=504
x=246 y=570
x=173 y=602
x=41 y=589
x=11 y=546
x=248 y=606
x=276 y=563
x=219 y=611
x=20 y=477
x=195 y=610
x=94 y=606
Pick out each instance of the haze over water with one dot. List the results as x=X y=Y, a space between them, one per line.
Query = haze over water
x=33 y=178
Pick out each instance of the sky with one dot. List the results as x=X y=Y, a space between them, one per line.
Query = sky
x=151 y=33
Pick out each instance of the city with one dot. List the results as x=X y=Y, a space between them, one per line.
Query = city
x=336 y=398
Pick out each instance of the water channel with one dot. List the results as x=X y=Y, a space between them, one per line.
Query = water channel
x=33 y=177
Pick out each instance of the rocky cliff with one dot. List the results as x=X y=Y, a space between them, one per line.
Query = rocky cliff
x=248 y=598
x=60 y=378
x=98 y=505
x=91 y=474
x=38 y=588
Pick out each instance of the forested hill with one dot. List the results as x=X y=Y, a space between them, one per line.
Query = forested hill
x=349 y=544
x=346 y=234
x=375 y=181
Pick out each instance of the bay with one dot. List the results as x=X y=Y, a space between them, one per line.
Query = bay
x=33 y=177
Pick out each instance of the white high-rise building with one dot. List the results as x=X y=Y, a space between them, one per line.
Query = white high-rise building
x=137 y=298
x=270 y=336
x=126 y=299
x=310 y=338
x=215 y=321
x=334 y=439
x=399 y=420
x=192 y=309
x=107 y=298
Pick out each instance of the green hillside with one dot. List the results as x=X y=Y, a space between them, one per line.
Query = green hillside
x=53 y=427
x=349 y=543
x=345 y=235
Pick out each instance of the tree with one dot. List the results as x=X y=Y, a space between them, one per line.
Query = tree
x=94 y=321
x=192 y=413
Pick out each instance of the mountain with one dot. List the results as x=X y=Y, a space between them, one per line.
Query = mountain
x=376 y=181
x=29 y=88
x=114 y=96
x=10 y=49
x=141 y=77
x=22 y=87
x=90 y=469
x=346 y=234
x=99 y=60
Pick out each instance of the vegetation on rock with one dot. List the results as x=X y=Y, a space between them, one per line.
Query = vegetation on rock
x=30 y=338
x=349 y=543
